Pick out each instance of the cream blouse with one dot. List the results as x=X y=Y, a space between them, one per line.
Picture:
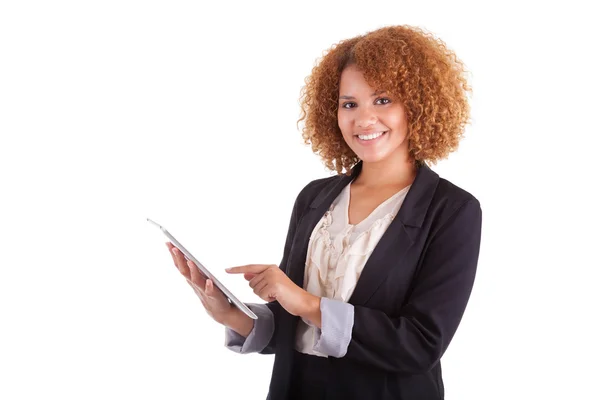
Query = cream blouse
x=337 y=253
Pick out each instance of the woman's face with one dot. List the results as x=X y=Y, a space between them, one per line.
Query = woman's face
x=373 y=124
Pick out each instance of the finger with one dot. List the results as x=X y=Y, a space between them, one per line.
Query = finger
x=256 y=280
x=248 y=276
x=260 y=287
x=252 y=268
x=210 y=288
x=198 y=290
x=193 y=286
x=195 y=275
x=181 y=270
x=213 y=292
x=181 y=262
x=266 y=293
x=170 y=247
x=179 y=256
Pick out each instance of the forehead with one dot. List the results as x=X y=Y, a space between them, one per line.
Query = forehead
x=352 y=80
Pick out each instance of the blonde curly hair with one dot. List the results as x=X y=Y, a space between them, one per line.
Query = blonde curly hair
x=410 y=64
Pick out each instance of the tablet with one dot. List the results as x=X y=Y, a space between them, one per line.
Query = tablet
x=204 y=271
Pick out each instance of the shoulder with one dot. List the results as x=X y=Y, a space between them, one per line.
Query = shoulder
x=310 y=191
x=454 y=195
x=314 y=187
x=451 y=203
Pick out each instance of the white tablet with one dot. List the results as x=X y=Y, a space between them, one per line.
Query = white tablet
x=204 y=271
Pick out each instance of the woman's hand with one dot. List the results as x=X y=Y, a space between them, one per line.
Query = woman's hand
x=213 y=300
x=270 y=283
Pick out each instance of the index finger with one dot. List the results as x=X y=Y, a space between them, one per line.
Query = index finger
x=251 y=268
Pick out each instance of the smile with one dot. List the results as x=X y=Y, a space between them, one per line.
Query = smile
x=371 y=136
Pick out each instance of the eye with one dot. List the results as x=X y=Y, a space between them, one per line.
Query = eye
x=385 y=100
x=349 y=103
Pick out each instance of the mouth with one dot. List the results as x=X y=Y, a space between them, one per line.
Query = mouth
x=370 y=138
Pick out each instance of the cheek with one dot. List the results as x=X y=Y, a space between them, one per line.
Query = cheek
x=344 y=124
x=397 y=119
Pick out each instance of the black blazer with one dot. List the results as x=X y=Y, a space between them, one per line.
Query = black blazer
x=408 y=301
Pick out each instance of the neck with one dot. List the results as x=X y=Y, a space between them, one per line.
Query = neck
x=396 y=171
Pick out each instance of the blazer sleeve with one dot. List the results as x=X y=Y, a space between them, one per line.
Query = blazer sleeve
x=259 y=336
x=414 y=342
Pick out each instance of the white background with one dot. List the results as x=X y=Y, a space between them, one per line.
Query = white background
x=185 y=112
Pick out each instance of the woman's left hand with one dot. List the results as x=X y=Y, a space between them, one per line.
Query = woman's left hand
x=270 y=283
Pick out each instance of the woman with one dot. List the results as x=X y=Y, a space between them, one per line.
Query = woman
x=380 y=259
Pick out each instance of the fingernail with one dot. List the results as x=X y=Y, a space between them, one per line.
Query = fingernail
x=174 y=250
x=228 y=269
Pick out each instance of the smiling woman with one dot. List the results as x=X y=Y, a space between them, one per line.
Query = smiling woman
x=380 y=259
x=425 y=86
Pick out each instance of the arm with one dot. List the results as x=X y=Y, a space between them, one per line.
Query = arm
x=245 y=335
x=261 y=337
x=416 y=340
x=334 y=320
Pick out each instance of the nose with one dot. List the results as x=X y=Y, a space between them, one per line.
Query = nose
x=365 y=117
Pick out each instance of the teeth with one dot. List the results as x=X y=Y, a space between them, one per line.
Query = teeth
x=371 y=136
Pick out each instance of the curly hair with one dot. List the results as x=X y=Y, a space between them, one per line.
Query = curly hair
x=410 y=64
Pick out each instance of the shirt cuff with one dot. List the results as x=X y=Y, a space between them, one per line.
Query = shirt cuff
x=337 y=321
x=260 y=335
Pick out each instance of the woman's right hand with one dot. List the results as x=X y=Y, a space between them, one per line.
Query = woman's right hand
x=213 y=300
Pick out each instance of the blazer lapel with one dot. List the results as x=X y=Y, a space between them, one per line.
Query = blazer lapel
x=309 y=220
x=391 y=249
x=392 y=246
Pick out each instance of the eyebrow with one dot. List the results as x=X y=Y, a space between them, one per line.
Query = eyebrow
x=351 y=98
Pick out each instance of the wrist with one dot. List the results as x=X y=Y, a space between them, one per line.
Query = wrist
x=226 y=317
x=237 y=321
x=313 y=310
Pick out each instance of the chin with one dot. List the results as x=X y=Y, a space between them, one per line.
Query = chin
x=372 y=157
